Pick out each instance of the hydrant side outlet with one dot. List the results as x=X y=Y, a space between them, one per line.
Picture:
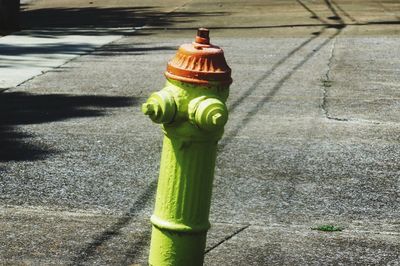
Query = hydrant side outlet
x=191 y=108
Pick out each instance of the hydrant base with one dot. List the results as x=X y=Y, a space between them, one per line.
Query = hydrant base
x=170 y=248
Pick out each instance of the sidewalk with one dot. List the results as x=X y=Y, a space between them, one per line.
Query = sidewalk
x=312 y=137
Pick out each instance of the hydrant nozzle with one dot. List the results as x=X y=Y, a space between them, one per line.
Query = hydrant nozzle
x=192 y=110
x=160 y=107
x=208 y=113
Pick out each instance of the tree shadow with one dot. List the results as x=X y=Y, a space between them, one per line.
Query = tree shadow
x=48 y=50
x=45 y=48
x=102 y=21
x=15 y=146
x=17 y=108
x=131 y=49
x=58 y=17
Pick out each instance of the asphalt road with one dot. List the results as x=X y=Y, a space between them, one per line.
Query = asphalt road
x=312 y=137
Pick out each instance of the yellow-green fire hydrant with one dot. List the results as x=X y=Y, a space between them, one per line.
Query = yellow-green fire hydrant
x=191 y=108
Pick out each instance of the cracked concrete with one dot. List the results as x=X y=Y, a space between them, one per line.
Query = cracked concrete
x=327 y=83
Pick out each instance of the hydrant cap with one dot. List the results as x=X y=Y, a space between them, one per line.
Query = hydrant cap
x=199 y=62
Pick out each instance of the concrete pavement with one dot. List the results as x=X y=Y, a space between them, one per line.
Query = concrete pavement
x=312 y=140
x=26 y=55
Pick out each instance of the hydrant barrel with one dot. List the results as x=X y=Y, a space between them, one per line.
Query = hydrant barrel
x=180 y=220
x=191 y=109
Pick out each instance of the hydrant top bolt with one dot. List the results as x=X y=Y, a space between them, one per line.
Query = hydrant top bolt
x=203 y=36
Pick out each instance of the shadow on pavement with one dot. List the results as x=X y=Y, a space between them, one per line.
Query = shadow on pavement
x=343 y=11
x=130 y=49
x=45 y=49
x=18 y=108
x=103 y=21
x=135 y=249
x=15 y=146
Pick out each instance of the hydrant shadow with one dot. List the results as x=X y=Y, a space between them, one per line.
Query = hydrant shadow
x=136 y=248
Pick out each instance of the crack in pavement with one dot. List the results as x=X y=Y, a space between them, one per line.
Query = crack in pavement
x=327 y=83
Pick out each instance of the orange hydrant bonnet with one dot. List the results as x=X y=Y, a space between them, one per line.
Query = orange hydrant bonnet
x=199 y=62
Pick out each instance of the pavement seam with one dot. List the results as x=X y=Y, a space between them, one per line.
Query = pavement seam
x=227 y=238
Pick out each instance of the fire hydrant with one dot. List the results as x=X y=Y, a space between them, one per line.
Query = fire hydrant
x=191 y=108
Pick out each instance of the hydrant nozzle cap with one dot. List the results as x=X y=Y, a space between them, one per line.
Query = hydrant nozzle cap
x=160 y=107
x=199 y=62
